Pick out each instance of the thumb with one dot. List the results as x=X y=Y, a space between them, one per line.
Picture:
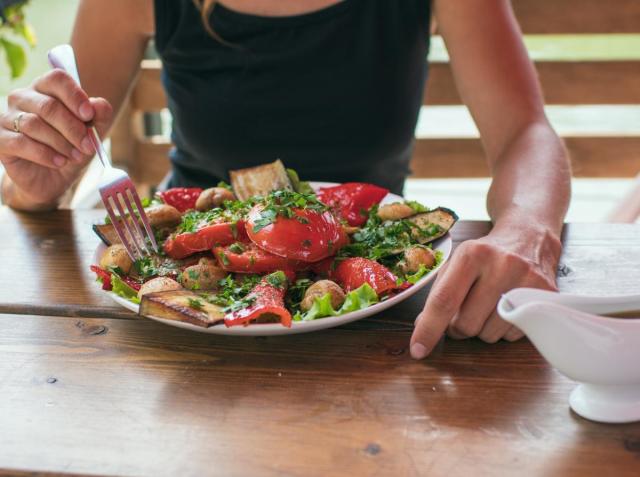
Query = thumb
x=103 y=114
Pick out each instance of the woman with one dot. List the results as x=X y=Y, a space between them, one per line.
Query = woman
x=332 y=87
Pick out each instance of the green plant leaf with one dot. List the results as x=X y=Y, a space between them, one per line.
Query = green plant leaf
x=358 y=299
x=26 y=31
x=15 y=56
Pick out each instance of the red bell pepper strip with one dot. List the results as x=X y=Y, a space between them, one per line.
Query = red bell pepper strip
x=267 y=300
x=309 y=236
x=351 y=273
x=182 y=198
x=352 y=200
x=103 y=275
x=252 y=259
x=185 y=244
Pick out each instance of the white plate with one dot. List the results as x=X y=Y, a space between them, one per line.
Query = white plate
x=444 y=244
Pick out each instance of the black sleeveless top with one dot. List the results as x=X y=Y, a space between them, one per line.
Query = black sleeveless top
x=334 y=93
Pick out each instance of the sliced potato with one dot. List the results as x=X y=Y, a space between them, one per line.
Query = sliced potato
x=259 y=180
x=181 y=305
x=442 y=217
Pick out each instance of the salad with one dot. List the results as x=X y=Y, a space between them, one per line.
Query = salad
x=270 y=249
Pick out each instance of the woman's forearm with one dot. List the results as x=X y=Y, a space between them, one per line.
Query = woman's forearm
x=531 y=181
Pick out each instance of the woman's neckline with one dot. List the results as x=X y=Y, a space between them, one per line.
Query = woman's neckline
x=311 y=16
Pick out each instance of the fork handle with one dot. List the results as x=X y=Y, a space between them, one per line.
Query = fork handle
x=64 y=58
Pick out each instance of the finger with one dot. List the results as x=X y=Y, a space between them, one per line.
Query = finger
x=494 y=329
x=514 y=334
x=20 y=146
x=38 y=130
x=60 y=85
x=56 y=114
x=443 y=302
x=476 y=309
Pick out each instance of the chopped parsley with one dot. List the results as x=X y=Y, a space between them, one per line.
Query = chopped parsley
x=224 y=258
x=277 y=279
x=284 y=203
x=232 y=295
x=417 y=206
x=195 y=303
x=295 y=293
x=236 y=248
x=224 y=185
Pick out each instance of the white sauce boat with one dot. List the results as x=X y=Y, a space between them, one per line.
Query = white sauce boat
x=600 y=352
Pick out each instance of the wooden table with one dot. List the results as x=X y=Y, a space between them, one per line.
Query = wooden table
x=88 y=388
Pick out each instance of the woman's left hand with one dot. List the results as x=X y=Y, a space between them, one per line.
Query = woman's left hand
x=463 y=299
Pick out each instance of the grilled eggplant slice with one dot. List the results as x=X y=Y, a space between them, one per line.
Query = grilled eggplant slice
x=260 y=180
x=441 y=217
x=181 y=305
x=107 y=234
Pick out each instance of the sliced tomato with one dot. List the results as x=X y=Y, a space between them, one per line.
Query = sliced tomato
x=185 y=244
x=268 y=302
x=309 y=236
x=352 y=200
x=351 y=273
x=182 y=198
x=253 y=259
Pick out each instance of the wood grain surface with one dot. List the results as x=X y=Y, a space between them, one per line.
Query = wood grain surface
x=132 y=397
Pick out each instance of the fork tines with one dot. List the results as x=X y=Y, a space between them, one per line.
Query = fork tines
x=132 y=236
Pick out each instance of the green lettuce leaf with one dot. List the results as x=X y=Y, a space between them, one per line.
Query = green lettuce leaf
x=120 y=288
x=358 y=299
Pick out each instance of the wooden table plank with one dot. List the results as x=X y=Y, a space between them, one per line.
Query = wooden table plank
x=135 y=397
x=47 y=258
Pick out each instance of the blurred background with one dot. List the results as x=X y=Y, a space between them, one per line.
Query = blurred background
x=594 y=198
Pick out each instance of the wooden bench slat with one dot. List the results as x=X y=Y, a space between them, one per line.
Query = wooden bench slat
x=148 y=95
x=590 y=156
x=578 y=16
x=583 y=82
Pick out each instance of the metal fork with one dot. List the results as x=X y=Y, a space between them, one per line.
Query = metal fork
x=116 y=187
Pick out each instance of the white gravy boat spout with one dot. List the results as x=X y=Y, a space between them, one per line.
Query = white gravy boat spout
x=600 y=352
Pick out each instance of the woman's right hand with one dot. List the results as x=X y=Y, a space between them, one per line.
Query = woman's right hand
x=51 y=147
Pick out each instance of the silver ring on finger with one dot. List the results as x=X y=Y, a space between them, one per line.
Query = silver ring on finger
x=16 y=122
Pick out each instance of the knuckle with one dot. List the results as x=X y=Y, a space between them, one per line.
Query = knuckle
x=29 y=124
x=467 y=328
x=48 y=108
x=14 y=96
x=76 y=131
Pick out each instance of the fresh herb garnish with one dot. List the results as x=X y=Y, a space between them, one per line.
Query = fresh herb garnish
x=224 y=258
x=417 y=206
x=277 y=279
x=236 y=248
x=195 y=303
x=285 y=203
x=232 y=295
x=224 y=185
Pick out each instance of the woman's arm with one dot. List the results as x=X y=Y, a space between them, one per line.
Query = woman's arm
x=530 y=191
x=51 y=149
